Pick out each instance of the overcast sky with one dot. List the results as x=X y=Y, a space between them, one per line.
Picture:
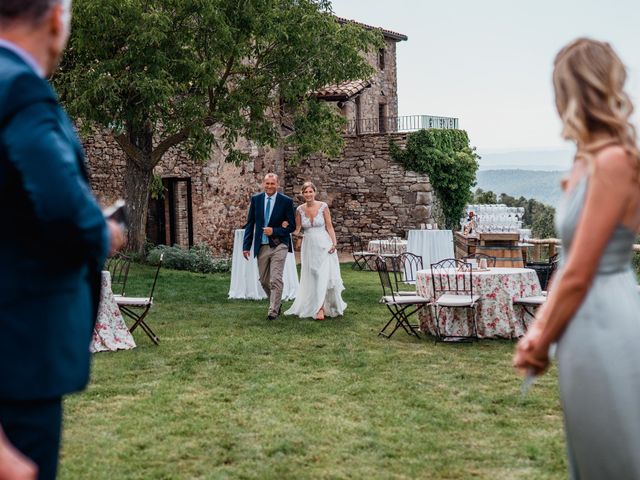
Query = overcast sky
x=489 y=62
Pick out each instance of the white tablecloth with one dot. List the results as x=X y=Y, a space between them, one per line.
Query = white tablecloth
x=431 y=245
x=245 y=280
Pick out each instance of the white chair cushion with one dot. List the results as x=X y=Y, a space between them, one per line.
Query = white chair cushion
x=134 y=301
x=405 y=299
x=453 y=300
x=535 y=300
x=363 y=253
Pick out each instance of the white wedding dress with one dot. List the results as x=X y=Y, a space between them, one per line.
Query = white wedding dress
x=320 y=281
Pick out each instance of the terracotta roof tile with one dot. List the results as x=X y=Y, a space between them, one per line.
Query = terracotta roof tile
x=387 y=33
x=342 y=91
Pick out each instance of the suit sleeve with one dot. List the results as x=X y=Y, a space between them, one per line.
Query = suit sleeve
x=69 y=219
x=249 y=227
x=291 y=219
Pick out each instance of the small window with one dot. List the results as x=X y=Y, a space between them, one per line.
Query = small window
x=381 y=54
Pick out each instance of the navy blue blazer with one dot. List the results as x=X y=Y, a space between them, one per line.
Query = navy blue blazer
x=282 y=210
x=53 y=243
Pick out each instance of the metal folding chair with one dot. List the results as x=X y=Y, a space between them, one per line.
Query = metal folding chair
x=137 y=308
x=361 y=256
x=406 y=266
x=452 y=282
x=118 y=267
x=529 y=306
x=491 y=261
x=401 y=307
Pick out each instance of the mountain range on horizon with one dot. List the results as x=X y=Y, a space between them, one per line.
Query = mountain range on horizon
x=543 y=159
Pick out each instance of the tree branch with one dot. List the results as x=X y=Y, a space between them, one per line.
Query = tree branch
x=132 y=152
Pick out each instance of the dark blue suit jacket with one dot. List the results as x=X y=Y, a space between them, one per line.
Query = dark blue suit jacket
x=282 y=210
x=53 y=243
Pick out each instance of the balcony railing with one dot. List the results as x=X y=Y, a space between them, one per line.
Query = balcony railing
x=409 y=123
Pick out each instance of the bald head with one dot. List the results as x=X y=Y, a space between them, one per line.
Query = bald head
x=26 y=11
x=40 y=27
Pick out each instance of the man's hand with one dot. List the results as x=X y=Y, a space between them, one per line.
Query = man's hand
x=13 y=464
x=116 y=234
x=246 y=254
x=268 y=231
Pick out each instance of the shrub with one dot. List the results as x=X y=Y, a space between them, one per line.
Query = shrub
x=196 y=259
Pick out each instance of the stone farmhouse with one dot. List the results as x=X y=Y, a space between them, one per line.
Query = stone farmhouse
x=369 y=194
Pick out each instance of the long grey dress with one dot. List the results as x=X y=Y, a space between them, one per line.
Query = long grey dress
x=598 y=360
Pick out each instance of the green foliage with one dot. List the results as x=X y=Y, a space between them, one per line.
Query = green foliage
x=162 y=73
x=449 y=161
x=538 y=216
x=196 y=259
x=157 y=187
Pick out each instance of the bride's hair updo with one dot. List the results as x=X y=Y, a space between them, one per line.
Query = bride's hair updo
x=589 y=79
x=306 y=185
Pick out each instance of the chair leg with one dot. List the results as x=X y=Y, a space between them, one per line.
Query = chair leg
x=138 y=320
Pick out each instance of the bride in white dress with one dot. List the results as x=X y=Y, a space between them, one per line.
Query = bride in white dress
x=320 y=291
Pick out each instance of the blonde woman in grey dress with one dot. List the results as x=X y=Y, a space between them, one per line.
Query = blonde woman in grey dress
x=593 y=308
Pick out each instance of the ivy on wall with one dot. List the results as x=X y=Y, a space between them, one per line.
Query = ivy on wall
x=446 y=157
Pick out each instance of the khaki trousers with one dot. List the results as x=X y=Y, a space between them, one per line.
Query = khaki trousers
x=271 y=268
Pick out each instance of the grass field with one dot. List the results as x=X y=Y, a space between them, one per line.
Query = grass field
x=229 y=395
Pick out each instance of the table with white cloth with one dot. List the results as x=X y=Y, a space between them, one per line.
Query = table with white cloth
x=496 y=315
x=245 y=278
x=110 y=332
x=431 y=245
x=387 y=246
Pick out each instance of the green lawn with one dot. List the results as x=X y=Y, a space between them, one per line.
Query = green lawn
x=229 y=395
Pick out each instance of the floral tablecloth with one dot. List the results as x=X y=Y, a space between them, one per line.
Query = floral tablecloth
x=110 y=332
x=387 y=246
x=497 y=316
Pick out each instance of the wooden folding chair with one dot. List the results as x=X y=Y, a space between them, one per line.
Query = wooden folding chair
x=401 y=307
x=452 y=281
x=137 y=308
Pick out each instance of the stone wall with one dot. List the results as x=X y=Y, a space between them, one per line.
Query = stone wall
x=384 y=84
x=369 y=194
x=220 y=191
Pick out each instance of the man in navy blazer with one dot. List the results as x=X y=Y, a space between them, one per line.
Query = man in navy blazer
x=55 y=238
x=270 y=222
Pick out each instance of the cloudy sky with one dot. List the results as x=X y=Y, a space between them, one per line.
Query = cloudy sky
x=489 y=62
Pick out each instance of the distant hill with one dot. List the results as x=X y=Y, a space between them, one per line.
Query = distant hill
x=543 y=186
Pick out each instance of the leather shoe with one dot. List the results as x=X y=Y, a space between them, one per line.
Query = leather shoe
x=271 y=317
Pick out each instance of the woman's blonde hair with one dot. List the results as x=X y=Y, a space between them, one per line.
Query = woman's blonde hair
x=589 y=79
x=306 y=185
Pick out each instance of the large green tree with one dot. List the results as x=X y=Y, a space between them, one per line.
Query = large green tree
x=165 y=73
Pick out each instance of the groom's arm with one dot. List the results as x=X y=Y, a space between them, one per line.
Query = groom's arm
x=291 y=220
x=248 y=228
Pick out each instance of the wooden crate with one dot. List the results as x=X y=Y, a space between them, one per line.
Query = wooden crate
x=464 y=244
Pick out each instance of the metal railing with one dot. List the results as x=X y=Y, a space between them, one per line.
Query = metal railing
x=408 y=123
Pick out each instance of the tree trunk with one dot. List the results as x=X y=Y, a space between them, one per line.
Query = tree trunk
x=137 y=183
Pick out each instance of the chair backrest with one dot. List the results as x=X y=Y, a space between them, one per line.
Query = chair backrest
x=491 y=261
x=385 y=278
x=118 y=267
x=407 y=265
x=155 y=279
x=452 y=275
x=356 y=244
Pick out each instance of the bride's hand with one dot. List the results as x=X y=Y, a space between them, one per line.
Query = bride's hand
x=332 y=249
x=285 y=224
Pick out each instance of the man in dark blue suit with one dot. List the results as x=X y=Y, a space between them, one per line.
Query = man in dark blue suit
x=270 y=221
x=55 y=238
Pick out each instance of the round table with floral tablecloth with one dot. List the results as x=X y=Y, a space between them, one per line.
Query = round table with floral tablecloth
x=497 y=317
